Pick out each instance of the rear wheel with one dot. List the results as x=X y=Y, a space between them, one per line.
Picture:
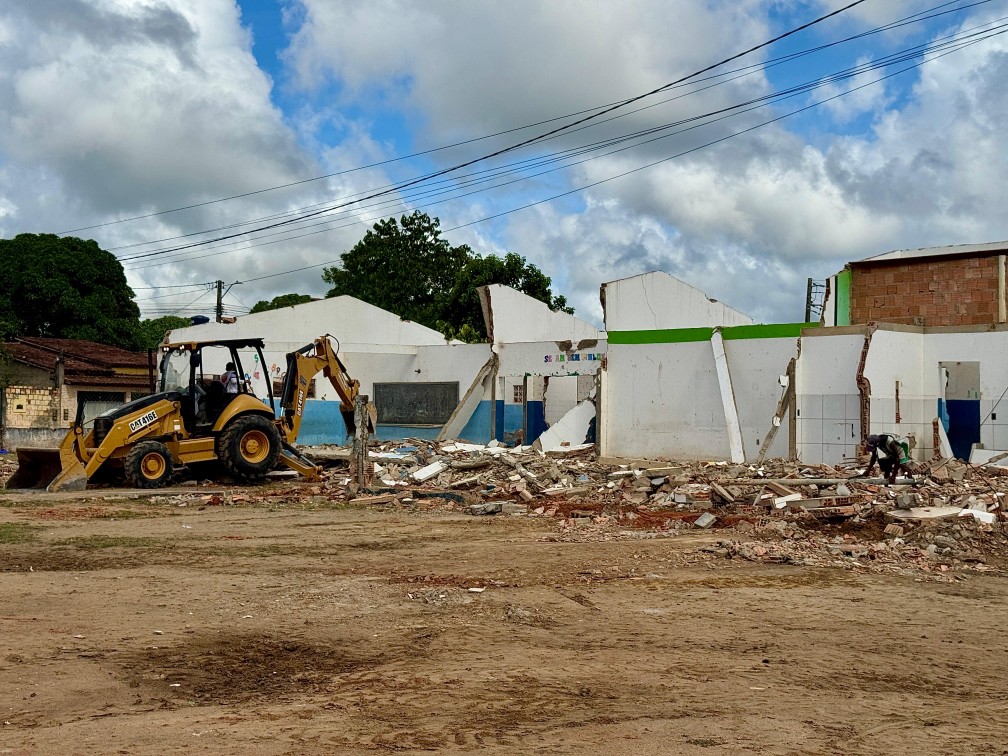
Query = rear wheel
x=249 y=446
x=149 y=465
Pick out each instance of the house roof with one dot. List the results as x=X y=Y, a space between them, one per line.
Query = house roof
x=84 y=362
x=954 y=250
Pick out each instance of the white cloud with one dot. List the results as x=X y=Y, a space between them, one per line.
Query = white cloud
x=113 y=108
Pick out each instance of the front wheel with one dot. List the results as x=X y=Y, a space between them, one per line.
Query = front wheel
x=149 y=465
x=249 y=446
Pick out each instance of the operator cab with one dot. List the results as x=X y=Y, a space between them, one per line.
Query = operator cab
x=196 y=371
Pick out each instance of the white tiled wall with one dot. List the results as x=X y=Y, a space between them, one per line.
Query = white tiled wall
x=994 y=424
x=828 y=427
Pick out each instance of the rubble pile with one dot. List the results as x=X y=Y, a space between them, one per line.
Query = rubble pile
x=948 y=516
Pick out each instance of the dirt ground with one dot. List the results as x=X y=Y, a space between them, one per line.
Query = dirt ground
x=131 y=624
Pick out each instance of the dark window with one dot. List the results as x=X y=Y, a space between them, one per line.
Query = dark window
x=415 y=403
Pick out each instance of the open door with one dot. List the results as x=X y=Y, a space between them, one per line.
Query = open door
x=959 y=405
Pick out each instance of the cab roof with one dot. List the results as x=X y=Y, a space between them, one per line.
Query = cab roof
x=231 y=343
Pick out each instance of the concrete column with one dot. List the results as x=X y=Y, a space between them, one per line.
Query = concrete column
x=728 y=398
x=1001 y=289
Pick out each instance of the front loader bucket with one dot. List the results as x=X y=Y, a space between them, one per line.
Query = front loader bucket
x=72 y=478
x=43 y=469
x=37 y=468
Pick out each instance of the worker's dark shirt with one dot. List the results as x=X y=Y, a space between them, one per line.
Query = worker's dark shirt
x=888 y=448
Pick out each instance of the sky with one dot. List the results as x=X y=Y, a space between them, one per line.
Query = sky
x=173 y=132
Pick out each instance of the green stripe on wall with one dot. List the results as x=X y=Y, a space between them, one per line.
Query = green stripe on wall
x=664 y=336
x=766 y=331
x=730 y=333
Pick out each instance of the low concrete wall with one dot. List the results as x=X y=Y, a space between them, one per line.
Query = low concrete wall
x=12 y=438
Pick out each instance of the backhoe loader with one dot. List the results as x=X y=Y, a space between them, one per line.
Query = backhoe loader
x=192 y=419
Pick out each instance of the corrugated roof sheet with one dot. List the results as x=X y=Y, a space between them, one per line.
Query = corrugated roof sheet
x=954 y=250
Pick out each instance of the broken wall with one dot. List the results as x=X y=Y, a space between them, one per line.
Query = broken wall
x=989 y=347
x=756 y=366
x=828 y=402
x=654 y=301
x=899 y=403
x=375 y=345
x=666 y=398
x=531 y=343
x=661 y=400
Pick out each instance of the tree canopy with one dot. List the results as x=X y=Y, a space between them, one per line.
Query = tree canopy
x=150 y=333
x=278 y=302
x=406 y=267
x=65 y=287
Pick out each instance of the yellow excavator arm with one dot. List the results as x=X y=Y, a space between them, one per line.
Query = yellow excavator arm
x=302 y=366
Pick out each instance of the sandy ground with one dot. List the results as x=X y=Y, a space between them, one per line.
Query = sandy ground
x=133 y=625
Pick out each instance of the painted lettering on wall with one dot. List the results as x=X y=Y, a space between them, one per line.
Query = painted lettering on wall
x=575 y=357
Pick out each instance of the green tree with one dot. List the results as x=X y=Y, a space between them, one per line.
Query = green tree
x=65 y=287
x=406 y=267
x=150 y=333
x=284 y=300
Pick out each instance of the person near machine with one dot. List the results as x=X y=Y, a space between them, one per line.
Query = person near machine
x=890 y=452
x=230 y=379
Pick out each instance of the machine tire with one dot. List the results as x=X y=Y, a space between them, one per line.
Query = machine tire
x=149 y=465
x=249 y=446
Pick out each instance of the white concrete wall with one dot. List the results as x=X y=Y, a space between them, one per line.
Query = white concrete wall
x=517 y=317
x=561 y=397
x=756 y=366
x=546 y=358
x=829 y=405
x=653 y=301
x=663 y=401
x=451 y=362
x=897 y=356
x=990 y=349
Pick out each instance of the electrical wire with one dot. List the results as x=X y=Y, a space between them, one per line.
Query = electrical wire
x=952 y=41
x=918 y=17
x=578 y=122
x=651 y=164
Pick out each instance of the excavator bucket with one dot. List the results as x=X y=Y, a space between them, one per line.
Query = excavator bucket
x=351 y=422
x=37 y=468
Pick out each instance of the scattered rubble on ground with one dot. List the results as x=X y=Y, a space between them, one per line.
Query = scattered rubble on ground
x=948 y=517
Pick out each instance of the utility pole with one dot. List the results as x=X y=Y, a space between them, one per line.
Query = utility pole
x=220 y=300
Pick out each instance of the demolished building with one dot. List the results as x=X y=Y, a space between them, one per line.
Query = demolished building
x=423 y=385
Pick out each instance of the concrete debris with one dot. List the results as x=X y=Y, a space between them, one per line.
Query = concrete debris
x=570 y=431
x=778 y=512
x=705 y=520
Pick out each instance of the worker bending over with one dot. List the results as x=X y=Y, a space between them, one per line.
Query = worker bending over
x=891 y=453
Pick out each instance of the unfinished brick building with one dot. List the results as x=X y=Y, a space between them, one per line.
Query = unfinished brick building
x=959 y=285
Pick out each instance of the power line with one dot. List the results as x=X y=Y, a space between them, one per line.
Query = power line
x=663 y=160
x=603 y=109
x=957 y=39
x=548 y=134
